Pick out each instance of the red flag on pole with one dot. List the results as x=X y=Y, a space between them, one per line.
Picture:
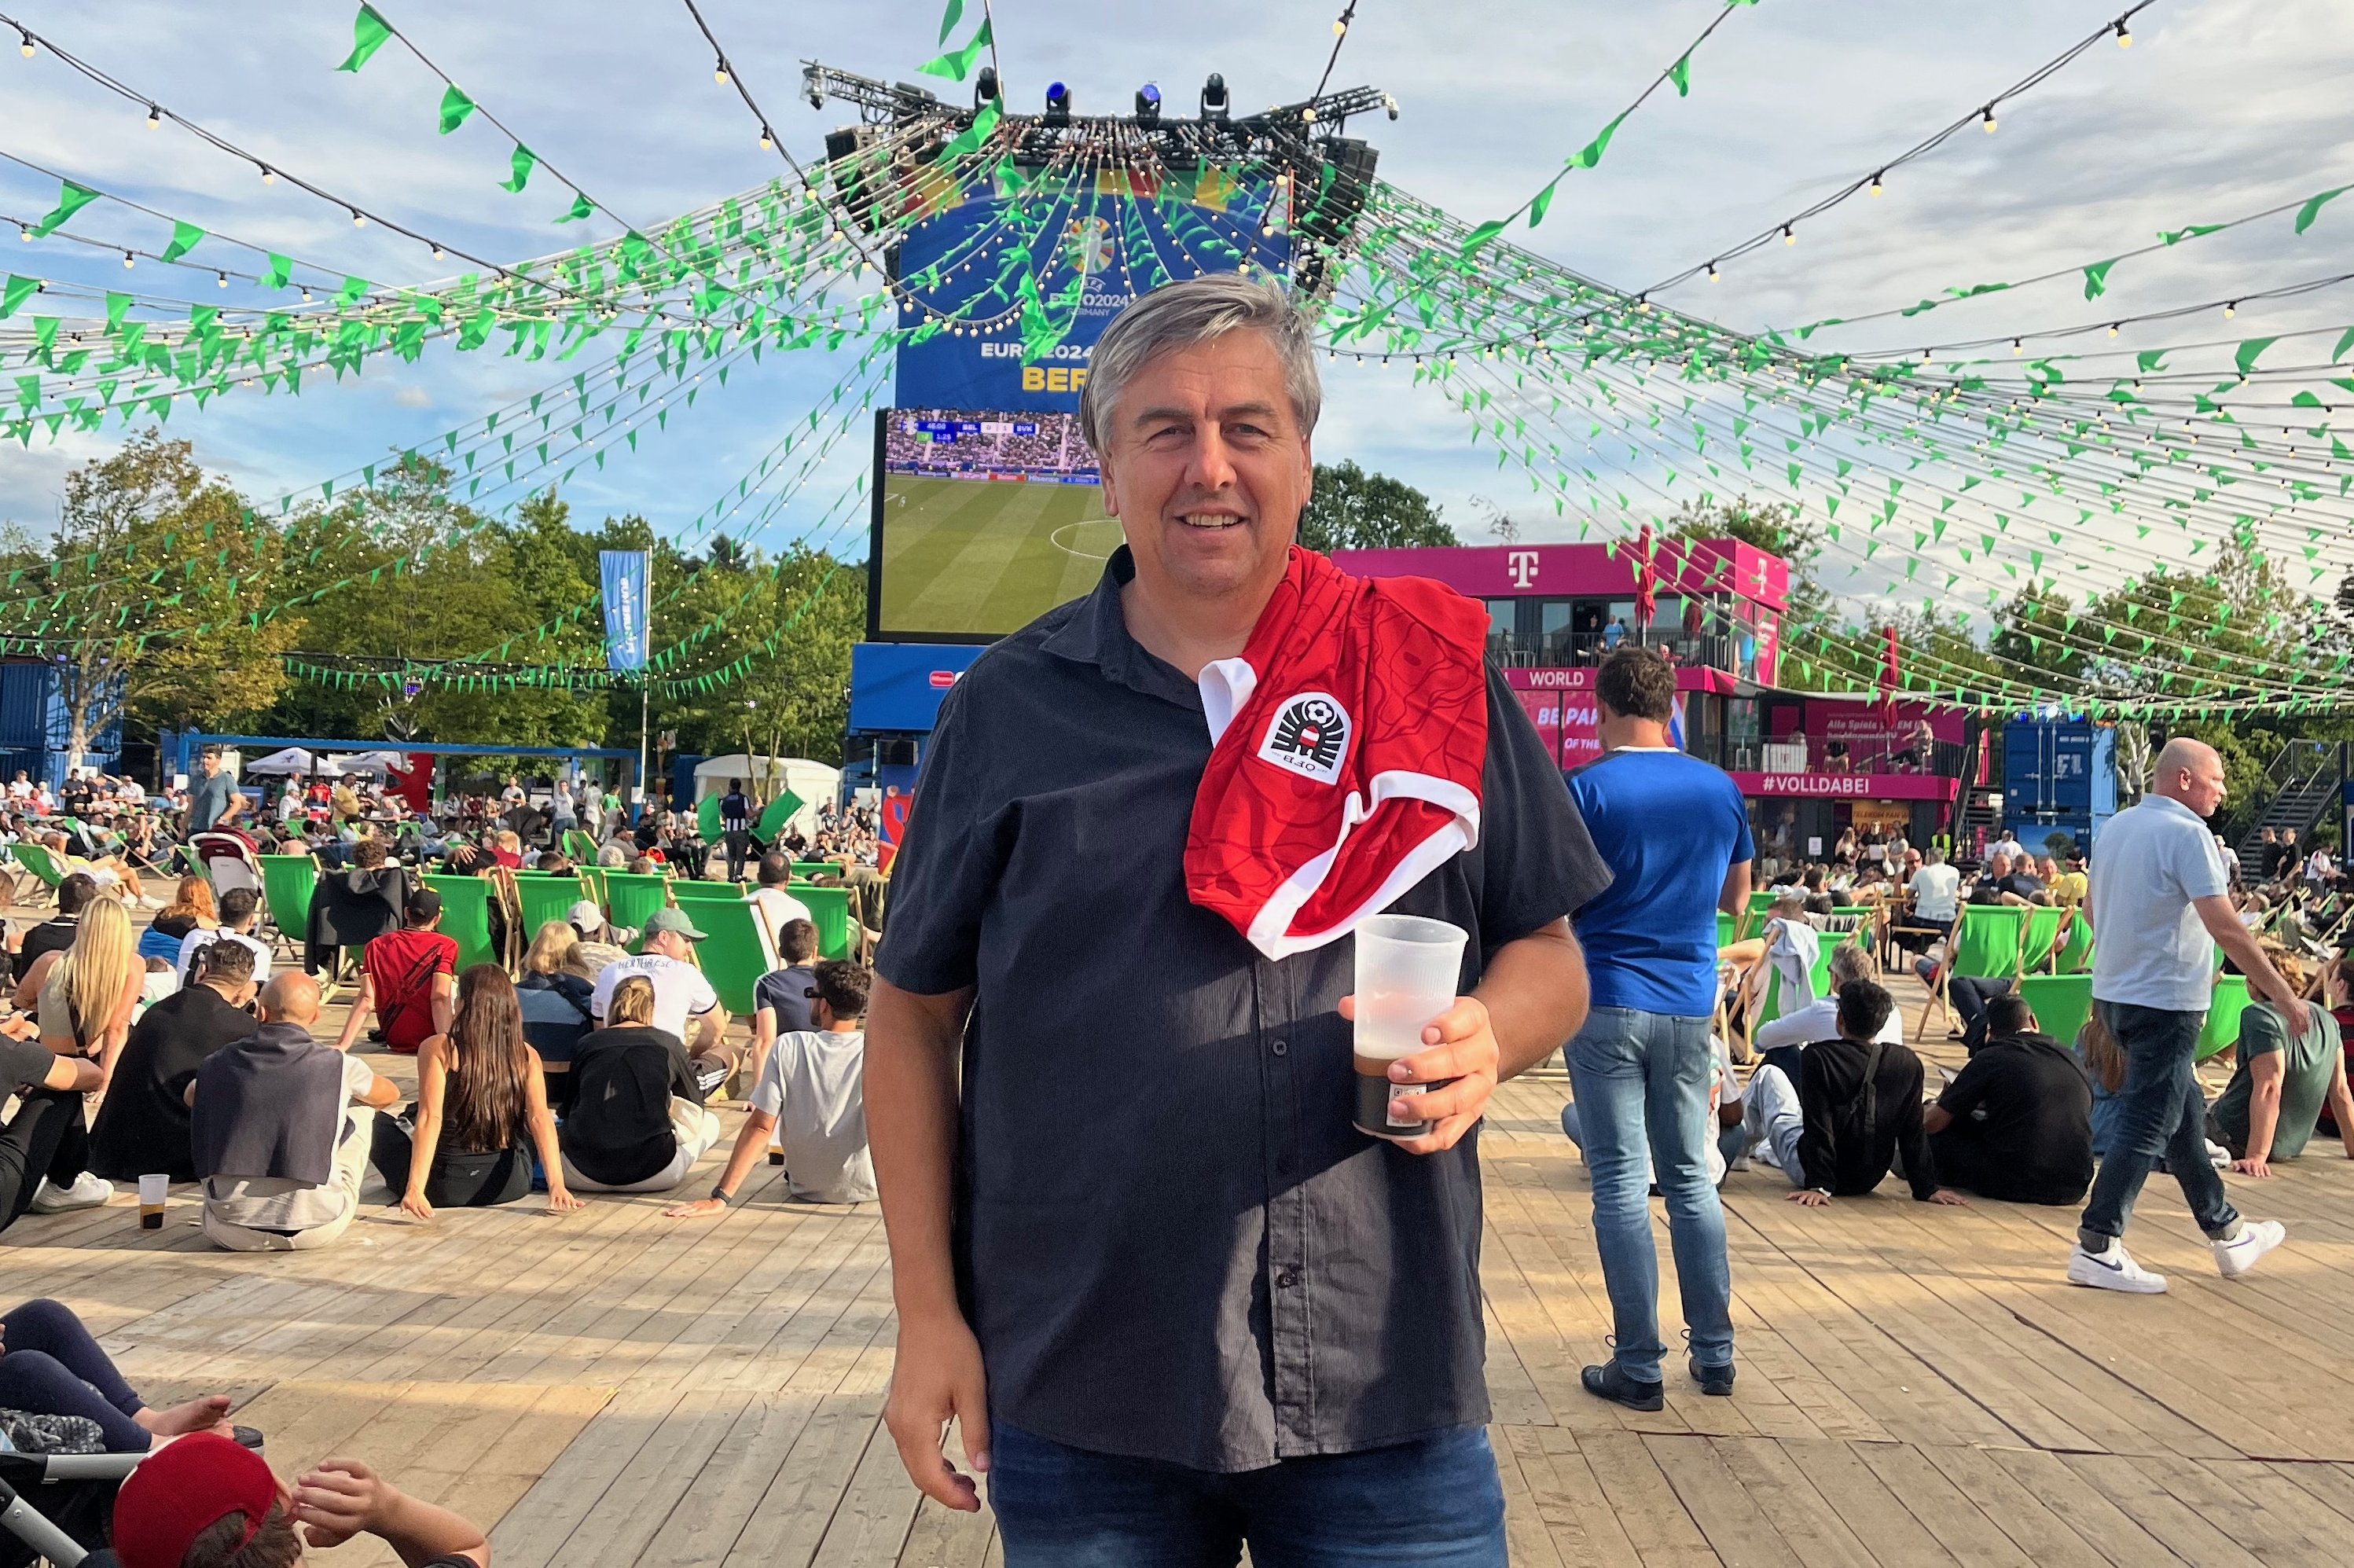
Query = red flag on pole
x=1646 y=580
x=1891 y=674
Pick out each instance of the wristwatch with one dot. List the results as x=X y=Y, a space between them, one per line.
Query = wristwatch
x=720 y=1193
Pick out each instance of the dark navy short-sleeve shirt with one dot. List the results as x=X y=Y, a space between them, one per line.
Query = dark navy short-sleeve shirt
x=1170 y=1240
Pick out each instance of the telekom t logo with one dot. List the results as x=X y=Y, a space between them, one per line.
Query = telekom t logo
x=1522 y=564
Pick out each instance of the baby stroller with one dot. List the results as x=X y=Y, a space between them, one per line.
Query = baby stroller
x=56 y=1507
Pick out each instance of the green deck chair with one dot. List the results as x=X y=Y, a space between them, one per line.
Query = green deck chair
x=2222 y=1031
x=631 y=898
x=287 y=884
x=2061 y=1003
x=2075 y=944
x=734 y=953
x=43 y=866
x=829 y=910
x=1723 y=929
x=545 y=896
x=466 y=916
x=1989 y=943
x=2042 y=933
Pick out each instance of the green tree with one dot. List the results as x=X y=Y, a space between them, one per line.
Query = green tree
x=1353 y=509
x=793 y=621
x=167 y=590
x=437 y=582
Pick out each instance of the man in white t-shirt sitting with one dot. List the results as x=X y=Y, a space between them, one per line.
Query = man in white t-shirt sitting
x=239 y=913
x=683 y=999
x=812 y=1092
x=778 y=909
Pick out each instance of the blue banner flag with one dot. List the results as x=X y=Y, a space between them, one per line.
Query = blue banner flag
x=627 y=604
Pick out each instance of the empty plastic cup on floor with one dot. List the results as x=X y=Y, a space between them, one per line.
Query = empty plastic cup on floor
x=1408 y=969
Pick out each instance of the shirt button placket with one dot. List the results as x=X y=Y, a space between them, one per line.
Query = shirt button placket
x=1288 y=1315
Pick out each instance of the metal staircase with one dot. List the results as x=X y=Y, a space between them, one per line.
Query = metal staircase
x=2303 y=781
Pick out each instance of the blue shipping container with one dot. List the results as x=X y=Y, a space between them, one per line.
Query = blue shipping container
x=2058 y=773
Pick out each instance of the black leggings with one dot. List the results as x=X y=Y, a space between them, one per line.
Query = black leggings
x=49 y=1365
x=46 y=1138
x=458 y=1180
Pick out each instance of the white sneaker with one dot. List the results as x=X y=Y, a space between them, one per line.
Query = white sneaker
x=88 y=1192
x=2235 y=1257
x=2114 y=1270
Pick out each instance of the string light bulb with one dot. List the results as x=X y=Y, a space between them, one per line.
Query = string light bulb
x=2113 y=329
x=2231 y=309
x=1986 y=117
x=1788 y=238
x=269 y=176
x=2018 y=346
x=768 y=141
x=719 y=70
x=437 y=250
x=1712 y=271
x=127 y=260
x=24 y=43
x=2125 y=38
x=1875 y=182
x=220 y=280
x=358 y=220
x=155 y=118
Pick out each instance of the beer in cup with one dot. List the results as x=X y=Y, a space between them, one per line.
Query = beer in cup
x=1408 y=971
x=151 y=1190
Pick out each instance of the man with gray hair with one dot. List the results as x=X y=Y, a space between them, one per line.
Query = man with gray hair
x=2159 y=910
x=1177 y=1296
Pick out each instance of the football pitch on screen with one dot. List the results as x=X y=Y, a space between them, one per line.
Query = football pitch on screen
x=984 y=557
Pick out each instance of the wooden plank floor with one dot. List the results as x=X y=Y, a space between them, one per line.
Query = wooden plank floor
x=1917 y=1384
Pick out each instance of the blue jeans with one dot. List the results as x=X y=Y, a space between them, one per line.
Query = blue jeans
x=2160 y=1111
x=1435 y=1502
x=1642 y=1077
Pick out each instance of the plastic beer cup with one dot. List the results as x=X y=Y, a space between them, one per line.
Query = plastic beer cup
x=1408 y=971
x=152 y=1192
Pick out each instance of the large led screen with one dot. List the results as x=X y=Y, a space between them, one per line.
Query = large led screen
x=984 y=521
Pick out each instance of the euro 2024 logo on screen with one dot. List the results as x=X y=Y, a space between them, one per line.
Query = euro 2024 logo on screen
x=1087 y=245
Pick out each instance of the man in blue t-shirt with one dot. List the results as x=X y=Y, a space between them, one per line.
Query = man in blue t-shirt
x=1675 y=833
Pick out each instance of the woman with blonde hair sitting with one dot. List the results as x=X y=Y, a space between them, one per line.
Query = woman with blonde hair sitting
x=86 y=997
x=637 y=1122
x=555 y=1000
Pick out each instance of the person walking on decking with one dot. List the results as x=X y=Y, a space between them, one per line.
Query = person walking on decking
x=1675 y=833
x=2158 y=911
x=1174 y=1300
x=736 y=823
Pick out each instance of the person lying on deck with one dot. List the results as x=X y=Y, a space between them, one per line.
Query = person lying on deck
x=207 y=1502
x=49 y=1365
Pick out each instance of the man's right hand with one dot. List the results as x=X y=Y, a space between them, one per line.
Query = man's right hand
x=938 y=1376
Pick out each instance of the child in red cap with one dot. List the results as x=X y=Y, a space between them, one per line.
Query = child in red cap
x=204 y=1501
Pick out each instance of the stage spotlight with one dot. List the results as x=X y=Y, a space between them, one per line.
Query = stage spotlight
x=1214 y=98
x=1148 y=105
x=1058 y=103
x=984 y=86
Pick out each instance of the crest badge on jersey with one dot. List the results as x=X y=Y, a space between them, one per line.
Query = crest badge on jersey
x=1309 y=736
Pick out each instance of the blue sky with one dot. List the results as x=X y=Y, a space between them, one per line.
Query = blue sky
x=2218 y=109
